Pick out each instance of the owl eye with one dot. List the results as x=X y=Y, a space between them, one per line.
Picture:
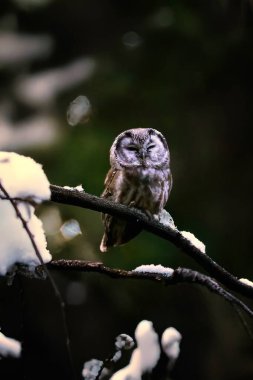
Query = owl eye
x=151 y=146
x=132 y=147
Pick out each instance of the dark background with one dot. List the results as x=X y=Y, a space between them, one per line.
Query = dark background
x=184 y=68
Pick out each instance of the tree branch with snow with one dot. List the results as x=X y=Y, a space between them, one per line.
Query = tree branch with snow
x=27 y=244
x=155 y=273
x=21 y=190
x=181 y=240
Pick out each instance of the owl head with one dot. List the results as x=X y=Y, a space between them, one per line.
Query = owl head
x=140 y=147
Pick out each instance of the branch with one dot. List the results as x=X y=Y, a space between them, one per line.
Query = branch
x=85 y=200
x=38 y=254
x=180 y=275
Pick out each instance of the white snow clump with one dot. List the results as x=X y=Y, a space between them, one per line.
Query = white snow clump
x=9 y=346
x=91 y=369
x=124 y=342
x=145 y=357
x=171 y=339
x=194 y=241
x=246 y=281
x=23 y=178
x=25 y=181
x=78 y=188
x=159 y=269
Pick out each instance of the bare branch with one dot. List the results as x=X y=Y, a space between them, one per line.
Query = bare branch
x=180 y=275
x=85 y=200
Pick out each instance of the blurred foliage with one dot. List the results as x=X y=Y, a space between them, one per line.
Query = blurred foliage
x=184 y=68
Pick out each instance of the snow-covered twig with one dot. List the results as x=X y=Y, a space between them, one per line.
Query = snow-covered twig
x=9 y=346
x=170 y=343
x=95 y=369
x=24 y=223
x=85 y=200
x=179 y=275
x=145 y=357
x=38 y=254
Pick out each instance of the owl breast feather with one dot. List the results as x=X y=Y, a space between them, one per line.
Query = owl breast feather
x=143 y=188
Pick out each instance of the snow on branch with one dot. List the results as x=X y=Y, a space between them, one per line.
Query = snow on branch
x=156 y=273
x=170 y=342
x=167 y=232
x=23 y=184
x=9 y=346
x=95 y=369
x=144 y=358
x=246 y=281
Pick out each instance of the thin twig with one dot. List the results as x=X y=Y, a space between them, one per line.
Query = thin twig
x=180 y=275
x=22 y=324
x=38 y=254
x=244 y=322
x=85 y=200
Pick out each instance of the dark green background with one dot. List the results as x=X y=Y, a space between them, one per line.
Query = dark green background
x=192 y=80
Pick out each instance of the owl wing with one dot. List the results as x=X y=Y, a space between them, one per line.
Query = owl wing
x=166 y=189
x=117 y=230
x=110 y=182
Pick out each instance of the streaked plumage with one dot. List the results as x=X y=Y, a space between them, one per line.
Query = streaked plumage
x=140 y=177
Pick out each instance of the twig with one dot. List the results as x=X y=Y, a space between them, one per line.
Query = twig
x=244 y=322
x=22 y=325
x=85 y=200
x=38 y=254
x=180 y=275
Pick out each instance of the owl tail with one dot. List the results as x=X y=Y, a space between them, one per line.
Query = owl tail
x=114 y=231
x=107 y=242
x=103 y=246
x=117 y=232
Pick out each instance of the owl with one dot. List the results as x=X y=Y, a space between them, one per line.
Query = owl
x=139 y=177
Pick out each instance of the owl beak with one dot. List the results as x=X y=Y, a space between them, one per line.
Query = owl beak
x=142 y=154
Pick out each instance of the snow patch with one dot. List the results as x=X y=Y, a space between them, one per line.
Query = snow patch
x=23 y=178
x=151 y=268
x=170 y=341
x=78 y=188
x=246 y=281
x=194 y=241
x=25 y=181
x=9 y=346
x=145 y=357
